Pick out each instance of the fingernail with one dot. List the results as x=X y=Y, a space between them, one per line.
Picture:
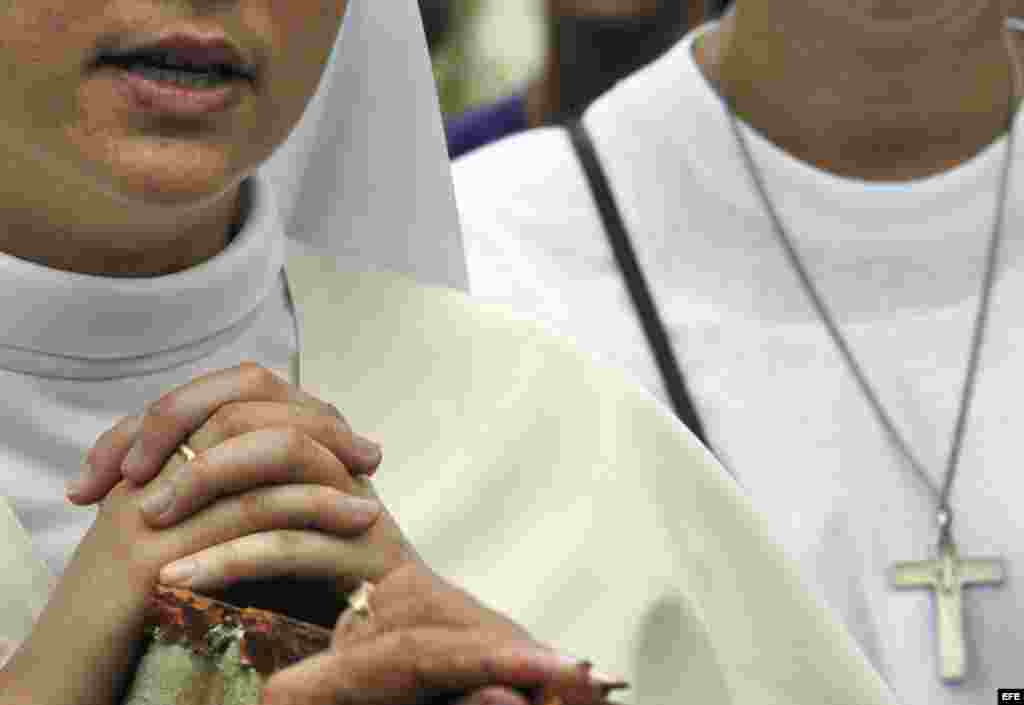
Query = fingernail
x=133 y=461
x=565 y=660
x=368 y=451
x=362 y=510
x=545 y=659
x=75 y=486
x=606 y=682
x=180 y=572
x=156 y=503
x=603 y=681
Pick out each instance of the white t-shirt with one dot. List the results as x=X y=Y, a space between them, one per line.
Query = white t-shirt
x=79 y=352
x=899 y=264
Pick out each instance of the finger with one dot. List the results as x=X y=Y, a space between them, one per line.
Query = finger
x=277 y=542
x=170 y=420
x=275 y=554
x=494 y=695
x=264 y=457
x=413 y=666
x=328 y=429
x=101 y=470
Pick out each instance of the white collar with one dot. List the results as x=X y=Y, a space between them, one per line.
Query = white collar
x=68 y=325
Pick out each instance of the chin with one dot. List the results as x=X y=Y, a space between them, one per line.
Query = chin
x=179 y=182
x=165 y=168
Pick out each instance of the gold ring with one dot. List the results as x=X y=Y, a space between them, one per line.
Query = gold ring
x=359 y=601
x=187 y=452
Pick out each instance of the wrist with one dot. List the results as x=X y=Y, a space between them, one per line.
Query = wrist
x=83 y=648
x=71 y=660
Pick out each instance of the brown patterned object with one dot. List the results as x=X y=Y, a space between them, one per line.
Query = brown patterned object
x=205 y=652
x=201 y=651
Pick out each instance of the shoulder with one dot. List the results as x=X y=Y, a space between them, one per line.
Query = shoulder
x=527 y=216
x=526 y=168
x=531 y=180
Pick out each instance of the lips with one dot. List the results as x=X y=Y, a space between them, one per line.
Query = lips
x=214 y=57
x=186 y=76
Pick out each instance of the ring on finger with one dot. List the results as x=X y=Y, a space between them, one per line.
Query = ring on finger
x=359 y=601
x=186 y=452
x=358 y=616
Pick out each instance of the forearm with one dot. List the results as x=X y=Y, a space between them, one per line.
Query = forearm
x=83 y=647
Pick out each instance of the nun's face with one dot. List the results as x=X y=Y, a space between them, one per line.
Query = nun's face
x=159 y=101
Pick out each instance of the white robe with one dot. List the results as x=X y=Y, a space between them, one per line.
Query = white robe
x=557 y=491
x=899 y=264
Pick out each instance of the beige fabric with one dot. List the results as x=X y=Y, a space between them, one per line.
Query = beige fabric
x=566 y=496
x=557 y=491
x=25 y=581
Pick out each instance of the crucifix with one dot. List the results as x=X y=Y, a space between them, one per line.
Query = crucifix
x=947 y=576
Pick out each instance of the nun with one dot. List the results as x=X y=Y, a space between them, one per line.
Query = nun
x=230 y=222
x=798 y=227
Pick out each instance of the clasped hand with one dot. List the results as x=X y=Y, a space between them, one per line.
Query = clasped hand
x=279 y=487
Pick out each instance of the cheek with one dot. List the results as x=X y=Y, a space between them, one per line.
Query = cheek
x=47 y=33
x=43 y=46
x=304 y=33
x=302 y=18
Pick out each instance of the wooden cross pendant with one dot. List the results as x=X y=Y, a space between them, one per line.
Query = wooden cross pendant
x=947 y=576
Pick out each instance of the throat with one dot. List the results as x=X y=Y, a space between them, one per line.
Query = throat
x=865 y=112
x=891 y=146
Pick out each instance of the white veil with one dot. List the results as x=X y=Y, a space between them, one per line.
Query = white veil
x=365 y=174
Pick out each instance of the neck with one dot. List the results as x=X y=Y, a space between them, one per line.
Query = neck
x=152 y=243
x=905 y=95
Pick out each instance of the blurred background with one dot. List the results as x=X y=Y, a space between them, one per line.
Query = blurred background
x=506 y=65
x=484 y=49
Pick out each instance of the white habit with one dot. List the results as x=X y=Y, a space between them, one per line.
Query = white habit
x=899 y=264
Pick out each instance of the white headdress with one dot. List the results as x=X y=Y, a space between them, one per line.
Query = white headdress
x=365 y=174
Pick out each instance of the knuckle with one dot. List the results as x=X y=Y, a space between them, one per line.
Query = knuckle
x=322 y=501
x=256 y=376
x=228 y=420
x=164 y=407
x=121 y=427
x=296 y=442
x=254 y=507
x=286 y=544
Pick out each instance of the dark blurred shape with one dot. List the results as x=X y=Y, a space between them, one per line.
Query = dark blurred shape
x=586 y=55
x=596 y=51
x=715 y=8
x=437 y=15
x=486 y=124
